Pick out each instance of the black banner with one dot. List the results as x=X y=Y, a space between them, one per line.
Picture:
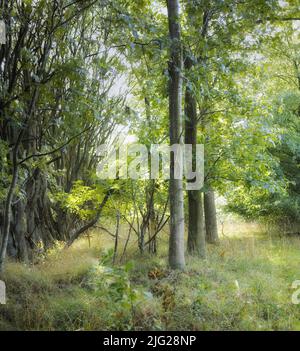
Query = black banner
x=143 y=340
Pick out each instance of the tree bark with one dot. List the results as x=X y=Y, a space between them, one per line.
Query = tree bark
x=196 y=234
x=116 y=238
x=176 y=244
x=8 y=203
x=20 y=230
x=210 y=218
x=152 y=230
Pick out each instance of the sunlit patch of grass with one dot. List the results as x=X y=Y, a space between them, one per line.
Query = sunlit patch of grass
x=244 y=284
x=252 y=285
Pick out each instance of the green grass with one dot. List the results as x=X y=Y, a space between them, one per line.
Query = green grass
x=244 y=284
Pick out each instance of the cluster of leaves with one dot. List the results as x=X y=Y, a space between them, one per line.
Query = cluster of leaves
x=276 y=196
x=82 y=200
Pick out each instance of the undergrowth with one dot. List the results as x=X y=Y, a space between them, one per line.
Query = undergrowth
x=244 y=284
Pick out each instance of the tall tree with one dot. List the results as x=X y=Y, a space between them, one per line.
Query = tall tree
x=176 y=244
x=196 y=235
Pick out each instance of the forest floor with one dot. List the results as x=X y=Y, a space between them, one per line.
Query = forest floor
x=244 y=284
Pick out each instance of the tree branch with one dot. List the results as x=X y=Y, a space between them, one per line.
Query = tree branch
x=55 y=150
x=92 y=222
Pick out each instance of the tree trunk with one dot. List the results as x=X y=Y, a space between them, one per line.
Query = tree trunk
x=196 y=235
x=142 y=234
x=176 y=244
x=8 y=204
x=152 y=230
x=20 y=230
x=210 y=218
x=116 y=238
x=41 y=227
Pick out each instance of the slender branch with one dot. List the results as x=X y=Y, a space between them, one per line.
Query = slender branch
x=270 y=19
x=55 y=150
x=92 y=222
x=105 y=230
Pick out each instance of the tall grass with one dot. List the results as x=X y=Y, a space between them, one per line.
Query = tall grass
x=244 y=284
